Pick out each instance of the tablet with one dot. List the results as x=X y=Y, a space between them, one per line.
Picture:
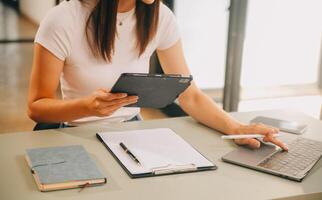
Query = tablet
x=153 y=90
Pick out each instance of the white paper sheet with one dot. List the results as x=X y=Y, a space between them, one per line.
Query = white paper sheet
x=154 y=148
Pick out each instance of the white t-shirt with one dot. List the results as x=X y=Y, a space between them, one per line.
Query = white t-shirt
x=62 y=32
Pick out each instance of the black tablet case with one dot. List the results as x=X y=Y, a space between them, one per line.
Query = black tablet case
x=154 y=90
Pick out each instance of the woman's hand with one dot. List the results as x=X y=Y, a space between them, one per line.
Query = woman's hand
x=262 y=129
x=103 y=103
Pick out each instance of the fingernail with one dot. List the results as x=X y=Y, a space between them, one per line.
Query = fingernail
x=286 y=148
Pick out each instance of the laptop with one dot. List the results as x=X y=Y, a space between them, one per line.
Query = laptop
x=295 y=164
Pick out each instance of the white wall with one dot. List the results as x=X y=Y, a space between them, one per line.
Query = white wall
x=36 y=9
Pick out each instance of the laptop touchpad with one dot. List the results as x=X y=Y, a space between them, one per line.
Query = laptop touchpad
x=244 y=155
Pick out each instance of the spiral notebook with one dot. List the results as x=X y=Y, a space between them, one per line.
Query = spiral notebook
x=160 y=151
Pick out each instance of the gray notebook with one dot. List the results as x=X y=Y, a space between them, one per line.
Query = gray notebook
x=63 y=167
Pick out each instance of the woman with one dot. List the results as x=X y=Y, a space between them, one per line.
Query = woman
x=85 y=45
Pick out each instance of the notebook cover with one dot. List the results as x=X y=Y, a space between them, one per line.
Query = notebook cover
x=63 y=164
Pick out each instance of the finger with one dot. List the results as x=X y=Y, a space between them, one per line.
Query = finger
x=252 y=143
x=111 y=109
x=130 y=99
x=121 y=104
x=254 y=128
x=275 y=141
x=111 y=96
x=277 y=130
x=126 y=100
x=258 y=129
x=103 y=90
x=272 y=130
x=268 y=129
x=100 y=92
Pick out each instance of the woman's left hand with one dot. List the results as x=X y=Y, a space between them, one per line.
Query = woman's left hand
x=262 y=129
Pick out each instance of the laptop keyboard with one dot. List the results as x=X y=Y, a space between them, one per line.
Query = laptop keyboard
x=302 y=153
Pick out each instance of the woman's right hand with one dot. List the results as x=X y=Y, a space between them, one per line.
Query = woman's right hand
x=103 y=103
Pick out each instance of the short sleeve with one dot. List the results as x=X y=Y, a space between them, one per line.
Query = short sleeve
x=54 y=32
x=168 y=29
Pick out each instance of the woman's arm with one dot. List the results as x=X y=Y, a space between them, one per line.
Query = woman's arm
x=202 y=108
x=43 y=105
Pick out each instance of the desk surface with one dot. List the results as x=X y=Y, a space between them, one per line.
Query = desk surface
x=228 y=182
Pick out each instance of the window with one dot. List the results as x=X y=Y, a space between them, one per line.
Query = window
x=203 y=26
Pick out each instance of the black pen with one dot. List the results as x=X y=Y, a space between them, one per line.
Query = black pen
x=129 y=153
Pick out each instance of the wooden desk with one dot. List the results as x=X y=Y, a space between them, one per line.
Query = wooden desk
x=228 y=182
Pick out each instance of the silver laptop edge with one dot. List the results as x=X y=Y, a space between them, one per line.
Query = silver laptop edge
x=249 y=158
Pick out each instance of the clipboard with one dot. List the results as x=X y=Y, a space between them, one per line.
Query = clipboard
x=160 y=151
x=153 y=90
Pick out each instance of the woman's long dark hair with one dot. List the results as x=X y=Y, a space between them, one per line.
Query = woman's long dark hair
x=101 y=26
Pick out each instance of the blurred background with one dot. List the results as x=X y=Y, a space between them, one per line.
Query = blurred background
x=245 y=54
